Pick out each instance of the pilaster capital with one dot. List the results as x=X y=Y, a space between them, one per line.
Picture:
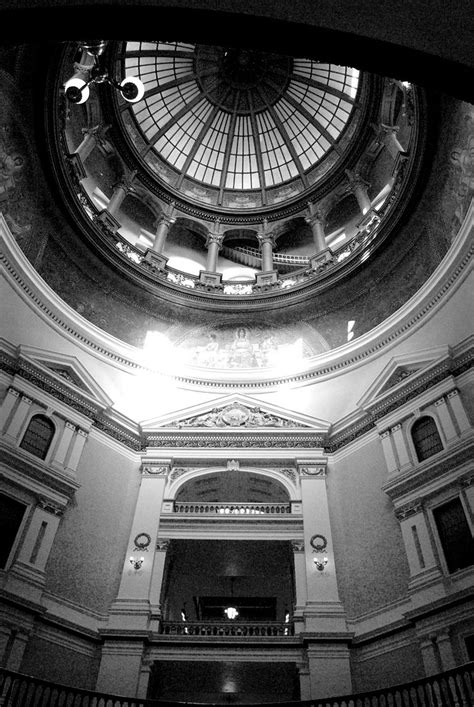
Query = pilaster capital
x=155 y=469
x=14 y=392
x=50 y=507
x=409 y=509
x=356 y=181
x=397 y=427
x=313 y=470
x=297 y=545
x=453 y=393
x=25 y=399
x=213 y=237
x=388 y=129
x=440 y=401
x=81 y=432
x=70 y=426
x=162 y=545
x=384 y=434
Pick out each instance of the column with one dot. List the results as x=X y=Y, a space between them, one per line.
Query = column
x=429 y=656
x=445 y=651
x=19 y=417
x=301 y=597
x=316 y=221
x=213 y=244
x=121 y=190
x=266 y=245
x=388 y=450
x=26 y=577
x=92 y=136
x=8 y=404
x=164 y=222
x=162 y=546
x=456 y=405
x=130 y=614
x=131 y=610
x=401 y=446
x=391 y=141
x=419 y=550
x=445 y=419
x=323 y=611
x=77 y=447
x=64 y=442
x=359 y=189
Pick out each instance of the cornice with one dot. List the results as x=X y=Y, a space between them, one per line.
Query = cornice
x=442 y=284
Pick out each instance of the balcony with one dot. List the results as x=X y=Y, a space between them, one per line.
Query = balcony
x=231 y=509
x=239 y=629
x=452 y=688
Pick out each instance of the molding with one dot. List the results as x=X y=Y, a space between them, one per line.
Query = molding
x=443 y=282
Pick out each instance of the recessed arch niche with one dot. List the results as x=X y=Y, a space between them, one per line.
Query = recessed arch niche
x=233 y=485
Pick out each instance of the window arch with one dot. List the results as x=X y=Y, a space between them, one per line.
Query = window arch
x=426 y=438
x=38 y=436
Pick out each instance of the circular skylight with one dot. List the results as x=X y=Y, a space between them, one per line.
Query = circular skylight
x=216 y=122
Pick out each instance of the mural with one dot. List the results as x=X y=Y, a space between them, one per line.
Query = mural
x=249 y=347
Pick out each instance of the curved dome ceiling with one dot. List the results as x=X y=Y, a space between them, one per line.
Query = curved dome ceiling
x=234 y=120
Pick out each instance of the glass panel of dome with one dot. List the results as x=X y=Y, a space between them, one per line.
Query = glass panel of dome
x=209 y=157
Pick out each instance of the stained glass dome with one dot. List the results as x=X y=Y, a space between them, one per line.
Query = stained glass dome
x=235 y=127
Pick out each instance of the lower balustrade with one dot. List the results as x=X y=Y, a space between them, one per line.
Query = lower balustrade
x=226 y=509
x=453 y=688
x=226 y=628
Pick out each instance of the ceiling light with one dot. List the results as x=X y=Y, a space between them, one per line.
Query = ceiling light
x=77 y=89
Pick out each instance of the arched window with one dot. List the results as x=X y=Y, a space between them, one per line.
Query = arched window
x=426 y=438
x=38 y=436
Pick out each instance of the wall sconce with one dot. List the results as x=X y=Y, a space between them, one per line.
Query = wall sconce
x=77 y=89
x=136 y=562
x=320 y=564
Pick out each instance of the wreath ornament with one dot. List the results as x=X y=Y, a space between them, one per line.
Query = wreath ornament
x=142 y=541
x=319 y=543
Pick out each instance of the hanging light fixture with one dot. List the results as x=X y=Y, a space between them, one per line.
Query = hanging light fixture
x=77 y=87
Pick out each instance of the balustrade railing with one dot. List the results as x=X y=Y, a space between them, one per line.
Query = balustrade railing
x=453 y=688
x=366 y=231
x=238 y=629
x=232 y=509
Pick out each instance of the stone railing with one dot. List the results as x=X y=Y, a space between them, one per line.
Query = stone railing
x=311 y=269
x=231 y=509
x=240 y=629
x=453 y=688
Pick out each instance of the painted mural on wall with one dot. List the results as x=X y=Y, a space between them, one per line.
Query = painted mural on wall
x=250 y=346
x=462 y=159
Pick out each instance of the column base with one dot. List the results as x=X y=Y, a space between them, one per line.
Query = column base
x=109 y=221
x=78 y=166
x=321 y=260
x=156 y=261
x=266 y=280
x=209 y=281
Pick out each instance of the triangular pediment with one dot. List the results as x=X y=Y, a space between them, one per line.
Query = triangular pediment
x=236 y=412
x=400 y=369
x=68 y=369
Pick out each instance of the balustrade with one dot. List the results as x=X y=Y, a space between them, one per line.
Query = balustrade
x=367 y=231
x=226 y=628
x=233 y=509
x=453 y=688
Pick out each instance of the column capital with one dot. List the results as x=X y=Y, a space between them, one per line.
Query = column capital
x=315 y=214
x=50 y=507
x=126 y=180
x=355 y=179
x=215 y=238
x=389 y=128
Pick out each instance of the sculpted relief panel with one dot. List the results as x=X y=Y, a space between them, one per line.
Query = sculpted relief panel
x=250 y=347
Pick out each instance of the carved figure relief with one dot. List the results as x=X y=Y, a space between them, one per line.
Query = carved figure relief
x=235 y=415
x=250 y=347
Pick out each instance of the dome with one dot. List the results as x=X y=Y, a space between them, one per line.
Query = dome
x=235 y=120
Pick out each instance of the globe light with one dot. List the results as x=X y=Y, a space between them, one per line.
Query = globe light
x=132 y=89
x=76 y=90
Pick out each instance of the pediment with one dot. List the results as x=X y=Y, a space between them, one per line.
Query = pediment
x=236 y=412
x=400 y=369
x=67 y=368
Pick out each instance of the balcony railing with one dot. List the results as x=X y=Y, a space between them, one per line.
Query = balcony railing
x=226 y=628
x=453 y=688
x=232 y=509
